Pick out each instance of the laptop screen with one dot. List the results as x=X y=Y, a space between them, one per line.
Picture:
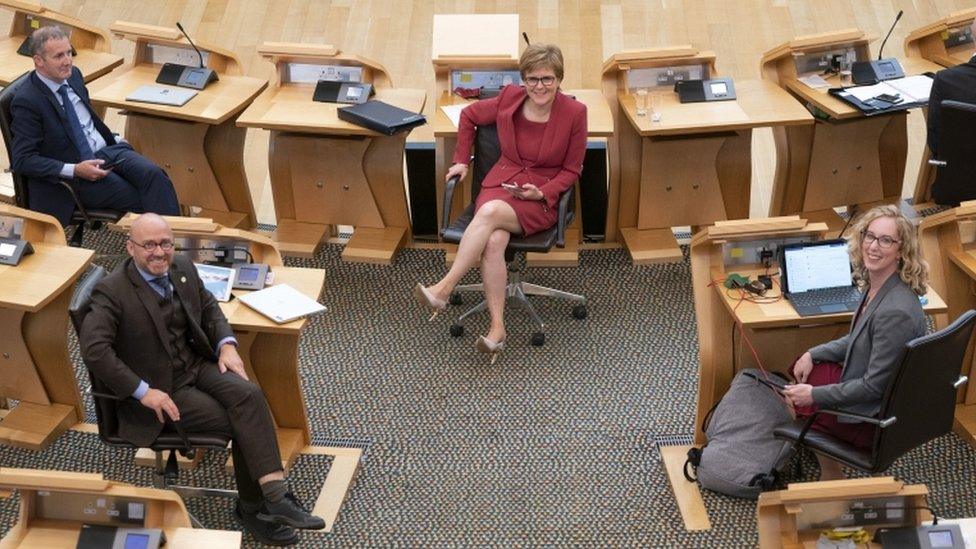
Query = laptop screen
x=817 y=265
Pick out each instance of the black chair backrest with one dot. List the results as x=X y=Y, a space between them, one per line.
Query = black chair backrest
x=956 y=181
x=487 y=151
x=6 y=99
x=108 y=423
x=921 y=394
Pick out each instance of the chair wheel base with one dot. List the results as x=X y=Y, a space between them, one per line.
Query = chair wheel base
x=579 y=312
x=455 y=299
x=538 y=339
x=457 y=330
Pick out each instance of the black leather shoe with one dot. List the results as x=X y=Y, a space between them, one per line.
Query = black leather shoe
x=289 y=511
x=267 y=532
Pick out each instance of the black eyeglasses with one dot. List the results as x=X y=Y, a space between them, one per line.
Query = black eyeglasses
x=150 y=246
x=533 y=81
x=884 y=241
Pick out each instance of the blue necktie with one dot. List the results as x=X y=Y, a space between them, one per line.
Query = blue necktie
x=162 y=283
x=77 y=134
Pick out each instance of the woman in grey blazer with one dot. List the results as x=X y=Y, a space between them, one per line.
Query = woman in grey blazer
x=852 y=372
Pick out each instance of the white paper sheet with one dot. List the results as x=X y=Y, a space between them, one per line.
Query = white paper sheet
x=454 y=113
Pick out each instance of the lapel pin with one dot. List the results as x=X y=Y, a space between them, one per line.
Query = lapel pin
x=183 y=279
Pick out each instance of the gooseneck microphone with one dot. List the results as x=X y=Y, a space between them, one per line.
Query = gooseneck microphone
x=883 y=42
x=179 y=26
x=526 y=38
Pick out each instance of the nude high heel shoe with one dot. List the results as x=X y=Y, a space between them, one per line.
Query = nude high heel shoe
x=427 y=299
x=486 y=345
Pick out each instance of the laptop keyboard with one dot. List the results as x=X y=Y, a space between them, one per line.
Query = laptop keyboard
x=826 y=296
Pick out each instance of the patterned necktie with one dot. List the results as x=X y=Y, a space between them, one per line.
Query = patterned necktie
x=77 y=134
x=162 y=283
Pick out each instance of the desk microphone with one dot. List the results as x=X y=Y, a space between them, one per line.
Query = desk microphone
x=526 y=38
x=881 y=49
x=179 y=26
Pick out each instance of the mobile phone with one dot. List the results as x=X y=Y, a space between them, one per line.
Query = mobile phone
x=110 y=165
x=888 y=98
x=511 y=185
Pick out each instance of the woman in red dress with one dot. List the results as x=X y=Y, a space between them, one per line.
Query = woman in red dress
x=542 y=135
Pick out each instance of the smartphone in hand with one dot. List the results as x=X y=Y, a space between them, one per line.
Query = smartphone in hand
x=108 y=165
x=512 y=186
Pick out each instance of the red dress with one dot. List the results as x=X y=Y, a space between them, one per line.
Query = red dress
x=548 y=155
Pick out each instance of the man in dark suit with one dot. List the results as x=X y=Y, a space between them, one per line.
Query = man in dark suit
x=57 y=134
x=155 y=334
x=958 y=84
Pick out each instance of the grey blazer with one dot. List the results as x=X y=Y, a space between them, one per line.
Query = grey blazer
x=872 y=351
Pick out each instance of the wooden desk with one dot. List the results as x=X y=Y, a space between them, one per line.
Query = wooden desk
x=693 y=166
x=325 y=171
x=846 y=158
x=48 y=510
x=94 y=59
x=776 y=331
x=946 y=41
x=34 y=364
x=197 y=144
x=948 y=242
x=269 y=350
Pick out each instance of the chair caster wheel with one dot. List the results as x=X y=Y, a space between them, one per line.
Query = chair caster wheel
x=457 y=330
x=579 y=312
x=455 y=299
x=539 y=339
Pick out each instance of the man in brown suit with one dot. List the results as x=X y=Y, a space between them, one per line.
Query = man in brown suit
x=155 y=334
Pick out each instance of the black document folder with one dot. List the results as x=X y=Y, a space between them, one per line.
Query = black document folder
x=381 y=117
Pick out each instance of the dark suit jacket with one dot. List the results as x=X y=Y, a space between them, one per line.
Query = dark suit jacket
x=958 y=84
x=42 y=143
x=124 y=338
x=872 y=351
x=561 y=152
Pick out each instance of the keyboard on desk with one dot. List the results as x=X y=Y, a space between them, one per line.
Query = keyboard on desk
x=826 y=301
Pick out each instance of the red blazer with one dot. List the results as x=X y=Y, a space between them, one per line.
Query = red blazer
x=561 y=153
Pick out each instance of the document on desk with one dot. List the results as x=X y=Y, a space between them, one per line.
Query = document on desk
x=282 y=303
x=913 y=89
x=814 y=81
x=454 y=113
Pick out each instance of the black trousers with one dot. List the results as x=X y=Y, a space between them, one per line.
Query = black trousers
x=135 y=184
x=226 y=403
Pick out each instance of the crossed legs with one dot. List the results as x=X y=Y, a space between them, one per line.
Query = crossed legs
x=484 y=242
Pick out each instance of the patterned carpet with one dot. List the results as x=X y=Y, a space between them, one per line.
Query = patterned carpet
x=551 y=446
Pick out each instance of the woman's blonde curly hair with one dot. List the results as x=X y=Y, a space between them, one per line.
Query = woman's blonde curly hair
x=912 y=269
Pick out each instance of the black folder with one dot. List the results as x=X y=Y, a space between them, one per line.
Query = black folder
x=381 y=117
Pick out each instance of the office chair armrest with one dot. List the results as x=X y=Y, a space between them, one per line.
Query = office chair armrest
x=883 y=423
x=74 y=196
x=448 y=199
x=564 y=202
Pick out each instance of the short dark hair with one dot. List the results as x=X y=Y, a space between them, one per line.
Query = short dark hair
x=42 y=35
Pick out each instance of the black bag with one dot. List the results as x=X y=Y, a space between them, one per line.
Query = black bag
x=741 y=457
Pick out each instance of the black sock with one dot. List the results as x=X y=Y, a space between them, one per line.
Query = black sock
x=250 y=507
x=274 y=490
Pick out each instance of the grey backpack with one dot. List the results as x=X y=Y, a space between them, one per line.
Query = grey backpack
x=741 y=457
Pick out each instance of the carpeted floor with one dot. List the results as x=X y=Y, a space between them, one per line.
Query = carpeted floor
x=551 y=446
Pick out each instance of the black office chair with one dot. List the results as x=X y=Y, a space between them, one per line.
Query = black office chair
x=955 y=178
x=93 y=218
x=166 y=472
x=486 y=152
x=918 y=405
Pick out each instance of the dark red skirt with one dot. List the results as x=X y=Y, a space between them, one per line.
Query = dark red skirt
x=533 y=215
x=860 y=435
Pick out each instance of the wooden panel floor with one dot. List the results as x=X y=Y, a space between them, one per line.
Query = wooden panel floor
x=397 y=33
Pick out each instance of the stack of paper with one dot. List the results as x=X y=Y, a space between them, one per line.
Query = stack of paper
x=913 y=89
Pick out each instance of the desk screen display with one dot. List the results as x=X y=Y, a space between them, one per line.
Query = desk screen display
x=194 y=78
x=818 y=266
x=7 y=250
x=719 y=88
x=136 y=541
x=245 y=274
x=940 y=538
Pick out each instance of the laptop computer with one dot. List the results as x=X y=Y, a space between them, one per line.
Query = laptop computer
x=816 y=277
x=176 y=97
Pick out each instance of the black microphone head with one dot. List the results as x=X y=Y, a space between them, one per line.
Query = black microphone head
x=900 y=13
x=525 y=36
x=179 y=26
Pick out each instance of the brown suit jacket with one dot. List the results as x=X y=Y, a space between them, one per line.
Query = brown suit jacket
x=124 y=338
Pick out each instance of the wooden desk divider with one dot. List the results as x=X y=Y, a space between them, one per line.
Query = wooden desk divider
x=48 y=516
x=94 y=59
x=793 y=518
x=34 y=364
x=845 y=158
x=934 y=41
x=948 y=242
x=198 y=144
x=327 y=172
x=693 y=162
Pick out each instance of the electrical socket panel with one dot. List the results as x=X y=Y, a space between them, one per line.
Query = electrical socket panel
x=490 y=80
x=179 y=55
x=652 y=77
x=311 y=73
x=11 y=227
x=748 y=252
x=820 y=62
